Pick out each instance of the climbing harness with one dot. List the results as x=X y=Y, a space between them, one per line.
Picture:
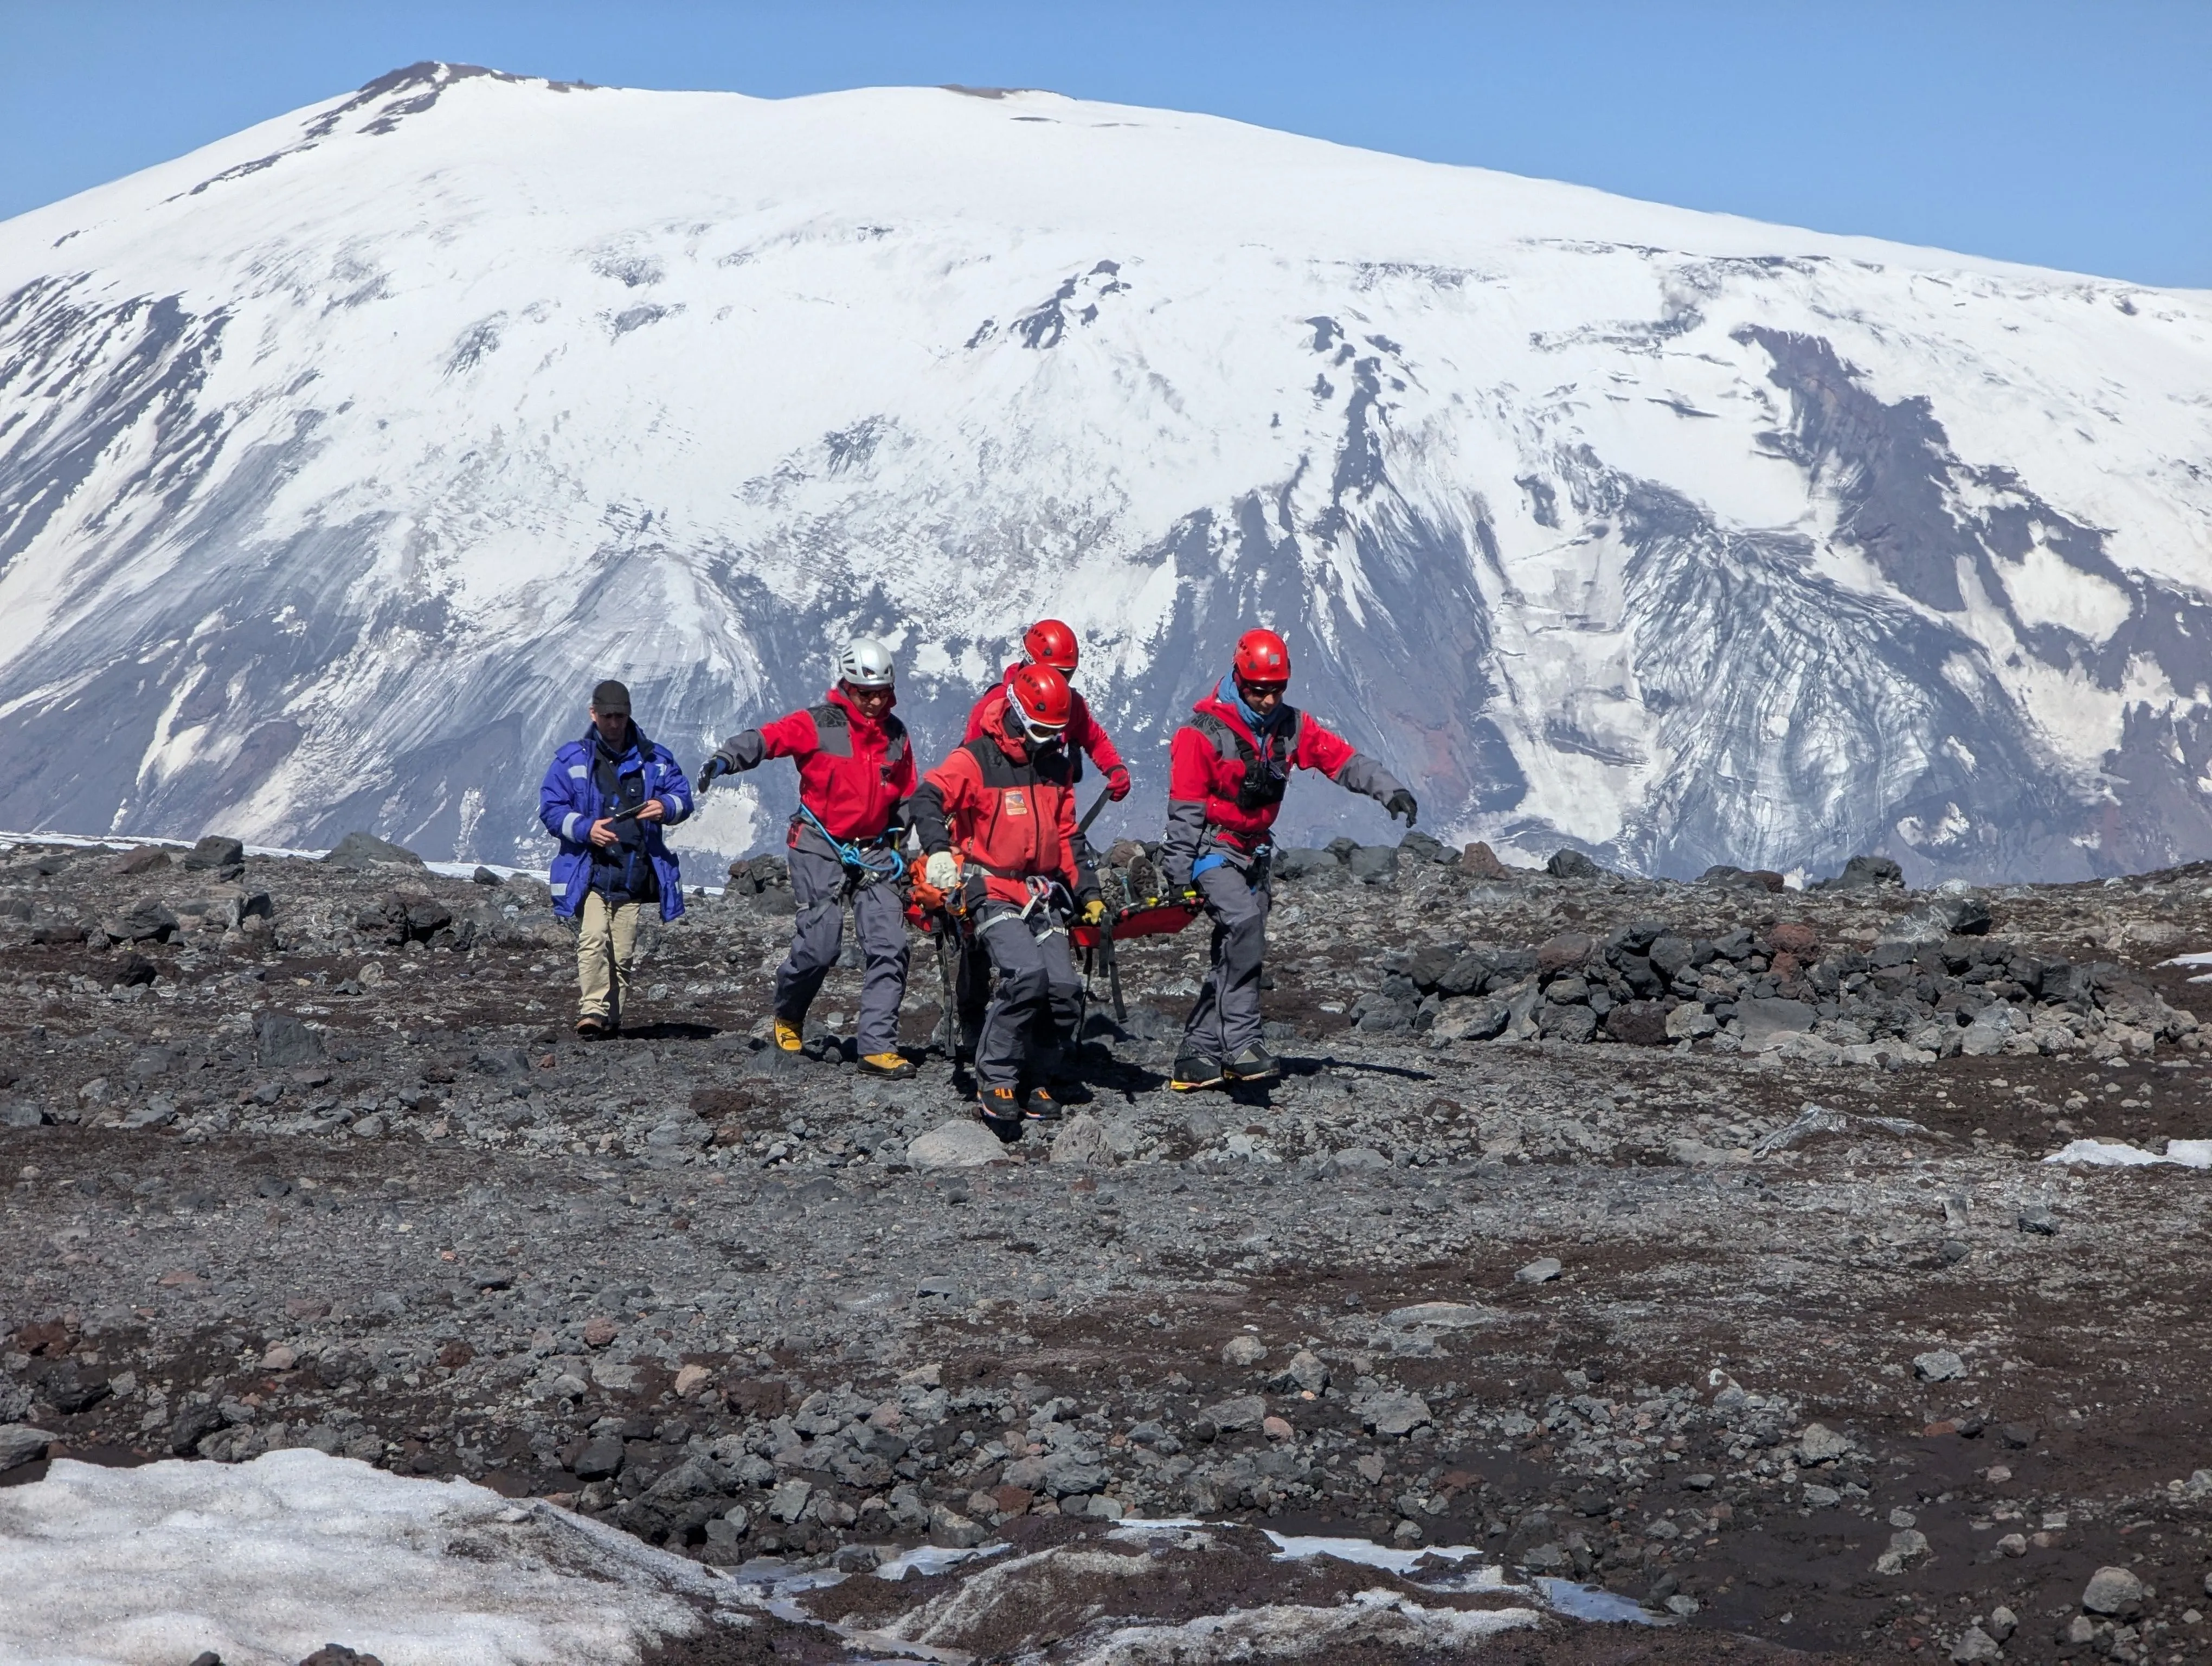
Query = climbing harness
x=865 y=865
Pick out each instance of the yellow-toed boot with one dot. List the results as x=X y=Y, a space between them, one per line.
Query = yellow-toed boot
x=892 y=1067
x=787 y=1036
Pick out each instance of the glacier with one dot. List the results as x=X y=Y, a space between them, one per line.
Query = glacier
x=340 y=458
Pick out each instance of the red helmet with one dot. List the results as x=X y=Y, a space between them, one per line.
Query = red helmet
x=1261 y=657
x=1040 y=702
x=1049 y=642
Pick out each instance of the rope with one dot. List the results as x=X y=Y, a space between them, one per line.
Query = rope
x=868 y=867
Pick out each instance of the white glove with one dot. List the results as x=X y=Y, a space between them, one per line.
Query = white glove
x=941 y=871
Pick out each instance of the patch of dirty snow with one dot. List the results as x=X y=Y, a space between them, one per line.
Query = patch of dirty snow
x=1374 y=1619
x=263 y=1562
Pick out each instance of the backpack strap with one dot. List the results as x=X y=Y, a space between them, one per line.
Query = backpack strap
x=1232 y=745
x=1234 y=749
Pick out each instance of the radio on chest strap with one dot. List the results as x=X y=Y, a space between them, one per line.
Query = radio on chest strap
x=1265 y=773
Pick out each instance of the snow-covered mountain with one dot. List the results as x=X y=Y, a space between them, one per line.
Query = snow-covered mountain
x=339 y=458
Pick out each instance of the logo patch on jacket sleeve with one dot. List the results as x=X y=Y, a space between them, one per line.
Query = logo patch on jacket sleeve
x=1015 y=802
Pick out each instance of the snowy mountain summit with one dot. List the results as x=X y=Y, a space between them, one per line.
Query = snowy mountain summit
x=339 y=458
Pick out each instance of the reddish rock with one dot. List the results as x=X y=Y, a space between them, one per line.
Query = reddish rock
x=1794 y=936
x=1639 y=1023
x=598 y=1330
x=1568 y=949
x=1480 y=861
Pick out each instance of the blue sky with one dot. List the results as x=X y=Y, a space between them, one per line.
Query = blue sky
x=2075 y=135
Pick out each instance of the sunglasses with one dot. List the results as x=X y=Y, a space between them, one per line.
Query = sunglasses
x=1261 y=690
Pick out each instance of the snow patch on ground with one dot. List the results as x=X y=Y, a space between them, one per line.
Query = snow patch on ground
x=1377 y=1618
x=2118 y=1155
x=265 y=1562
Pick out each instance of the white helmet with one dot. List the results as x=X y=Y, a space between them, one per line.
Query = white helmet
x=866 y=664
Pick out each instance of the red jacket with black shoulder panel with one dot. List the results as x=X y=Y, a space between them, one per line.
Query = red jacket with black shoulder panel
x=854 y=773
x=1226 y=781
x=1008 y=809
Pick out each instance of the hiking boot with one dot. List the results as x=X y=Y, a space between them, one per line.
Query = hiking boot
x=592 y=1026
x=1193 y=1070
x=1039 y=1106
x=889 y=1067
x=1254 y=1064
x=787 y=1036
x=1000 y=1107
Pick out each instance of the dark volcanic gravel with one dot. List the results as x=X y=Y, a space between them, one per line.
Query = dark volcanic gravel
x=303 y=1154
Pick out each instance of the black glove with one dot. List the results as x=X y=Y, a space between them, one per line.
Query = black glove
x=716 y=765
x=1400 y=803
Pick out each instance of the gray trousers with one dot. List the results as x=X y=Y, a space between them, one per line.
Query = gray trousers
x=1039 y=999
x=818 y=884
x=1224 y=1020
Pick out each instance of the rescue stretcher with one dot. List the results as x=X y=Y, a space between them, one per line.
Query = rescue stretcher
x=938 y=916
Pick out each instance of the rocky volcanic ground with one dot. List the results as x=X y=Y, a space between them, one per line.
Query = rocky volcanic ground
x=1689 y=1242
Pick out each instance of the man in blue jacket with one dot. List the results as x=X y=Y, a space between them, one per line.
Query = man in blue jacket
x=606 y=798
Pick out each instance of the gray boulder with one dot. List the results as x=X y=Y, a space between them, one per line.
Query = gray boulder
x=966 y=1144
x=1082 y=1140
x=1472 y=1019
x=1766 y=1020
x=1420 y=847
x=20 y=1443
x=1568 y=1023
x=281 y=1040
x=1245 y=1412
x=2114 y=1591
x=215 y=853
x=1862 y=872
x=1394 y=1413
x=1572 y=865
x=1297 y=862
x=364 y=850
x=1373 y=864
x=1939 y=1365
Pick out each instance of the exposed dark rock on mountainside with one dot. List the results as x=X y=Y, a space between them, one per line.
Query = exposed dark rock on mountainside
x=1780 y=1333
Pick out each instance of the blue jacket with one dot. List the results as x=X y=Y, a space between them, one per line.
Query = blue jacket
x=568 y=803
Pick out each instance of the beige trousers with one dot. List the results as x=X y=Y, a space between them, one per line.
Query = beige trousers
x=606 y=939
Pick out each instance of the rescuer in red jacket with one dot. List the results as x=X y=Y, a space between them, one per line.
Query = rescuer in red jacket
x=856 y=772
x=1227 y=770
x=1050 y=643
x=1006 y=803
